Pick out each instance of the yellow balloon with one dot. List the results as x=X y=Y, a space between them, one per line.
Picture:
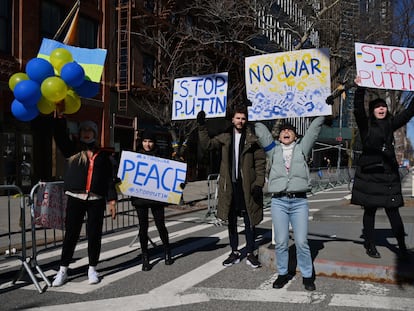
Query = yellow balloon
x=72 y=102
x=54 y=89
x=46 y=106
x=16 y=78
x=60 y=57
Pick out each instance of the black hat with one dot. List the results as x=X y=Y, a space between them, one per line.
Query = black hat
x=287 y=126
x=148 y=134
x=378 y=102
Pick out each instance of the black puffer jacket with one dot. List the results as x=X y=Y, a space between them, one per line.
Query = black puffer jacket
x=76 y=173
x=377 y=181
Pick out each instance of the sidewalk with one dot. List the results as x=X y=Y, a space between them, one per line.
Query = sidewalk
x=335 y=240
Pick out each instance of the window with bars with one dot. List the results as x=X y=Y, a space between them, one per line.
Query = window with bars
x=5 y=26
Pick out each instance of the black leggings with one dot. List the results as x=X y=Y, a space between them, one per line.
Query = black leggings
x=75 y=213
x=159 y=218
x=394 y=217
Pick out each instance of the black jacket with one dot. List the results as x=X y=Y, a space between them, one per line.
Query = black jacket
x=76 y=174
x=377 y=181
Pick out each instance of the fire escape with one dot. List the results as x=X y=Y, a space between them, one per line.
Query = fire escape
x=123 y=54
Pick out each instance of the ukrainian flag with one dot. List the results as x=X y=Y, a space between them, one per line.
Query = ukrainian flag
x=91 y=60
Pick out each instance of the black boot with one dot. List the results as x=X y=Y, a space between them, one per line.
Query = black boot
x=167 y=257
x=281 y=281
x=146 y=266
x=309 y=284
x=403 y=252
x=371 y=250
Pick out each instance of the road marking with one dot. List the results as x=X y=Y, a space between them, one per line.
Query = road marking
x=373 y=302
x=105 y=239
x=262 y=295
x=109 y=277
x=83 y=287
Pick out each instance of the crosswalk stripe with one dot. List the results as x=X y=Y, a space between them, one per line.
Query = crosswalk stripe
x=379 y=302
x=83 y=286
x=105 y=239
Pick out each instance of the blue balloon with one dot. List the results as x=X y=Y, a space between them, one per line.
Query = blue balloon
x=87 y=89
x=22 y=112
x=27 y=92
x=73 y=74
x=39 y=69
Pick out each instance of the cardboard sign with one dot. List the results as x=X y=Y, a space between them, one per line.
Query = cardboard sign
x=385 y=67
x=288 y=84
x=150 y=177
x=50 y=206
x=193 y=94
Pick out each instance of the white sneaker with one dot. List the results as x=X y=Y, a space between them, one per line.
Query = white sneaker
x=93 y=277
x=60 y=279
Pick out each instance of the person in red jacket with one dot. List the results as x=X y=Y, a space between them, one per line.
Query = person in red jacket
x=88 y=183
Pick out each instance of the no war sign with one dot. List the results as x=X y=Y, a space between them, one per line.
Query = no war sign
x=193 y=94
x=288 y=84
x=385 y=67
x=150 y=177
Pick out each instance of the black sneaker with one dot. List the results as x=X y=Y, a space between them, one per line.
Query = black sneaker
x=371 y=250
x=233 y=258
x=281 y=281
x=252 y=261
x=309 y=284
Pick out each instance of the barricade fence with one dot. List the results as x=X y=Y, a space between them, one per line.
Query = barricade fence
x=34 y=223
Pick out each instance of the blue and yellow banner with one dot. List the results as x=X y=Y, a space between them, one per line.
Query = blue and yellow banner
x=91 y=60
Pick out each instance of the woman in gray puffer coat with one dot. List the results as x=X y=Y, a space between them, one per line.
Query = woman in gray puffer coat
x=289 y=183
x=377 y=181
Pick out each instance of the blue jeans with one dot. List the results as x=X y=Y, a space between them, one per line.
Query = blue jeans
x=296 y=212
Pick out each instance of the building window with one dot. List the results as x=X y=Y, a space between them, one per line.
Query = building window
x=5 y=26
x=53 y=16
x=51 y=19
x=88 y=30
x=148 y=69
x=149 y=5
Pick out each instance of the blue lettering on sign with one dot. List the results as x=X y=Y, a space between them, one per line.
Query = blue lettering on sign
x=303 y=67
x=210 y=105
x=183 y=86
x=164 y=178
x=196 y=85
x=266 y=72
x=145 y=173
x=178 y=180
x=127 y=167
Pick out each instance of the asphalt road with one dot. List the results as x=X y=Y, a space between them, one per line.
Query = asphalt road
x=197 y=280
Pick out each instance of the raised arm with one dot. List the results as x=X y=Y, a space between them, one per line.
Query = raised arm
x=265 y=138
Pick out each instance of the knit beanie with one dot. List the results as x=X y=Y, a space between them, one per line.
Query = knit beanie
x=89 y=125
x=378 y=102
x=148 y=134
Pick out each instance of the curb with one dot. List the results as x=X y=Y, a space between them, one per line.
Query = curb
x=337 y=269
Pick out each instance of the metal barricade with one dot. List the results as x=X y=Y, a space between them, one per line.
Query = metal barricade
x=13 y=249
x=212 y=184
x=47 y=209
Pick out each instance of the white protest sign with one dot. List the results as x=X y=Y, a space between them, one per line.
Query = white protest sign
x=288 y=84
x=385 y=67
x=150 y=177
x=193 y=94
